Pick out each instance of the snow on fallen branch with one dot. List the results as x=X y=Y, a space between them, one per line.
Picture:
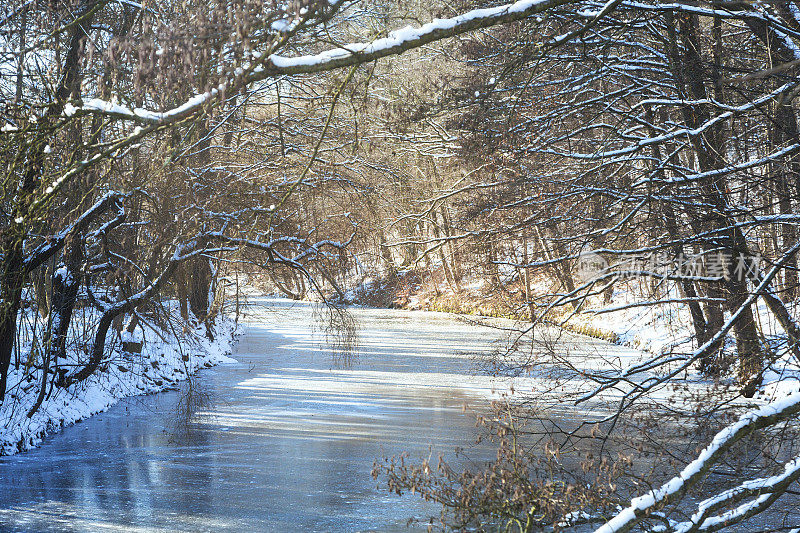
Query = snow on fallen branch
x=760 y=418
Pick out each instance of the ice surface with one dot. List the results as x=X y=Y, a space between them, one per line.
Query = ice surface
x=286 y=443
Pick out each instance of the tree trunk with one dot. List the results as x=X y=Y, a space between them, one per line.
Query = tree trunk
x=199 y=286
x=687 y=65
x=66 y=282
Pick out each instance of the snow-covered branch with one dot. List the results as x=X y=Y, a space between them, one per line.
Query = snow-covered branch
x=48 y=248
x=763 y=417
x=274 y=65
x=763 y=491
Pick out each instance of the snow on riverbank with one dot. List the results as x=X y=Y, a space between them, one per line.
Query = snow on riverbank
x=652 y=320
x=668 y=329
x=163 y=361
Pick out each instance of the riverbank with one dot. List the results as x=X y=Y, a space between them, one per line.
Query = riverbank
x=631 y=328
x=624 y=317
x=164 y=361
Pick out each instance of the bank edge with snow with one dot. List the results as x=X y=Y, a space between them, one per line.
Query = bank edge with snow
x=162 y=364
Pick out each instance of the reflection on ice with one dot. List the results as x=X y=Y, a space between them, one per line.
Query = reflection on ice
x=59 y=515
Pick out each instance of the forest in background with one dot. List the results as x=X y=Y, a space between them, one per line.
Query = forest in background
x=554 y=161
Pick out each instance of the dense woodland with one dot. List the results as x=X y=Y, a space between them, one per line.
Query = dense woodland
x=154 y=152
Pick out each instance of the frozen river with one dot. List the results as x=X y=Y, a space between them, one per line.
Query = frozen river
x=285 y=440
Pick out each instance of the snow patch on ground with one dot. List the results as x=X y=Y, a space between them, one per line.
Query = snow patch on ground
x=668 y=328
